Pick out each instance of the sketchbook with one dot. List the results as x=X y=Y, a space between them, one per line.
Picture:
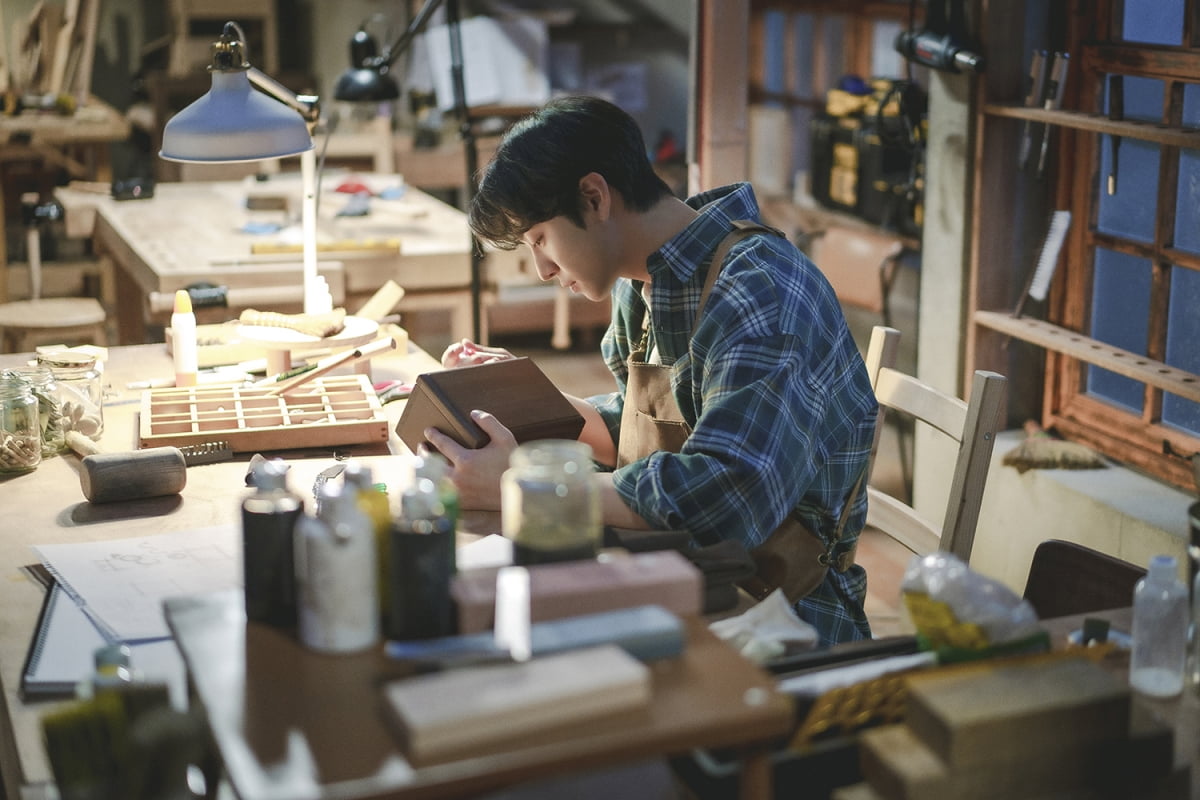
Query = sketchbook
x=60 y=654
x=63 y=645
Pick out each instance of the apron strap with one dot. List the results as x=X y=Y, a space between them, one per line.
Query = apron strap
x=742 y=228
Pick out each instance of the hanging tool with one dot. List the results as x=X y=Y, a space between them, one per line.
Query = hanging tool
x=1055 y=87
x=1039 y=280
x=943 y=43
x=1033 y=99
x=1116 y=112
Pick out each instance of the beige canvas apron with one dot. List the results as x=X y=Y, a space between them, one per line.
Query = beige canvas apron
x=793 y=557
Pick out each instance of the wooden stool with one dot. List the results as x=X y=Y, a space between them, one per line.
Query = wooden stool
x=25 y=324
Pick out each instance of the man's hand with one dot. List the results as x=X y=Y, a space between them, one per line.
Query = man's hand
x=467 y=353
x=476 y=473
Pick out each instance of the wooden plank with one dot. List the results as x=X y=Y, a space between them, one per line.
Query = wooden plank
x=1016 y=713
x=1093 y=351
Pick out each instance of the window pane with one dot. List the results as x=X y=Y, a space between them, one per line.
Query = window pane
x=885 y=61
x=1154 y=21
x=1183 y=333
x=1187 y=199
x=1131 y=211
x=802 y=35
x=1120 y=308
x=774 y=55
x=835 y=61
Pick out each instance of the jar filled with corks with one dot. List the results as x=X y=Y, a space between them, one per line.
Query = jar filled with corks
x=53 y=424
x=80 y=391
x=20 y=426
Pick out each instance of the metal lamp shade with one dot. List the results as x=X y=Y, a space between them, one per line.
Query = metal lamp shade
x=234 y=122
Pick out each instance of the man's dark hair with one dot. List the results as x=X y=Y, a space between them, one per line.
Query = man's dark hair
x=535 y=173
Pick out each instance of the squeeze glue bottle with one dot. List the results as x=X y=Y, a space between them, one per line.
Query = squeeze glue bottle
x=336 y=573
x=183 y=340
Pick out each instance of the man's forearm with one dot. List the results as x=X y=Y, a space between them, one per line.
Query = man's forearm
x=595 y=432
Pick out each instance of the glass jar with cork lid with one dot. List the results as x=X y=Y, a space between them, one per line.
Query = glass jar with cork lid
x=53 y=425
x=20 y=426
x=80 y=391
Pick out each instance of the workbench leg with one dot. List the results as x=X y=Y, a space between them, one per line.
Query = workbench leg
x=130 y=308
x=756 y=778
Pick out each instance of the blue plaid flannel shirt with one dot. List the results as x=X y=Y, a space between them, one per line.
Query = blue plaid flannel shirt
x=775 y=390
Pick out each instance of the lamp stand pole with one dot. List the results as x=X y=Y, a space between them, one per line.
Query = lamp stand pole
x=308 y=230
x=471 y=157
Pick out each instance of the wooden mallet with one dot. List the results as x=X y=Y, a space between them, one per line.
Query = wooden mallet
x=134 y=475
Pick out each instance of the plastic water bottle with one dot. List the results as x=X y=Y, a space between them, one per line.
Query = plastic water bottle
x=1160 y=630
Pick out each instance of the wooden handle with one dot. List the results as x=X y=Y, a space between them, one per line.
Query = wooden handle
x=82 y=444
x=154 y=472
x=333 y=362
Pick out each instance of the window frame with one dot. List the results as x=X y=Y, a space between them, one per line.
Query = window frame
x=1140 y=439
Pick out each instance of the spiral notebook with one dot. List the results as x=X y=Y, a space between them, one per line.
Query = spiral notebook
x=64 y=643
x=60 y=654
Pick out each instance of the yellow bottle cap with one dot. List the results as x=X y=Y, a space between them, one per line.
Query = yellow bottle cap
x=183 y=302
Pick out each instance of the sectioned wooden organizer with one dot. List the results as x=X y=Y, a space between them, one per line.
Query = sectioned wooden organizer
x=332 y=410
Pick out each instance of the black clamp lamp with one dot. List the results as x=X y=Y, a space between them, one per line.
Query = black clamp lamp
x=369 y=79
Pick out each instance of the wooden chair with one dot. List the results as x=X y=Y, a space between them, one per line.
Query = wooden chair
x=860 y=264
x=24 y=324
x=1067 y=578
x=972 y=425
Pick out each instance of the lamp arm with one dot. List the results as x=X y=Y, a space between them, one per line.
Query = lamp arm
x=397 y=48
x=306 y=105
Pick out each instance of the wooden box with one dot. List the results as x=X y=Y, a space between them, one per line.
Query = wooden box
x=327 y=412
x=516 y=391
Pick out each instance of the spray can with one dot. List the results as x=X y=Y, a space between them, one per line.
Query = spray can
x=422 y=562
x=336 y=573
x=268 y=529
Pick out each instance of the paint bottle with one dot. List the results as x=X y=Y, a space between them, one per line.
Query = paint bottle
x=183 y=340
x=436 y=468
x=372 y=498
x=336 y=575
x=269 y=518
x=421 y=564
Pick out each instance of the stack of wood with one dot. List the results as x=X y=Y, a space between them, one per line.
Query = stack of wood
x=52 y=50
x=1057 y=728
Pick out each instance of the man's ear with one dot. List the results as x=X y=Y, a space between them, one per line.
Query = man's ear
x=595 y=194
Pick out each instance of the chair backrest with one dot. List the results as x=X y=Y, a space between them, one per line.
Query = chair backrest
x=970 y=424
x=1068 y=578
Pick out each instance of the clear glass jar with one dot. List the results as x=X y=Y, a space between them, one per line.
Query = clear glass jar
x=549 y=503
x=20 y=426
x=45 y=389
x=80 y=391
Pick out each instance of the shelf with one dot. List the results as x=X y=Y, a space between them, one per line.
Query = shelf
x=1099 y=123
x=1076 y=345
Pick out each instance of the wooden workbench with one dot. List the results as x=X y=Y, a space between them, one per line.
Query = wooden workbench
x=709 y=698
x=196 y=232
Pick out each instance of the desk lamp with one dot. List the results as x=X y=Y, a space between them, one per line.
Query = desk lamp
x=233 y=123
x=369 y=79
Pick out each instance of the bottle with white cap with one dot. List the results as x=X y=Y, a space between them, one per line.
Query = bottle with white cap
x=1160 y=630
